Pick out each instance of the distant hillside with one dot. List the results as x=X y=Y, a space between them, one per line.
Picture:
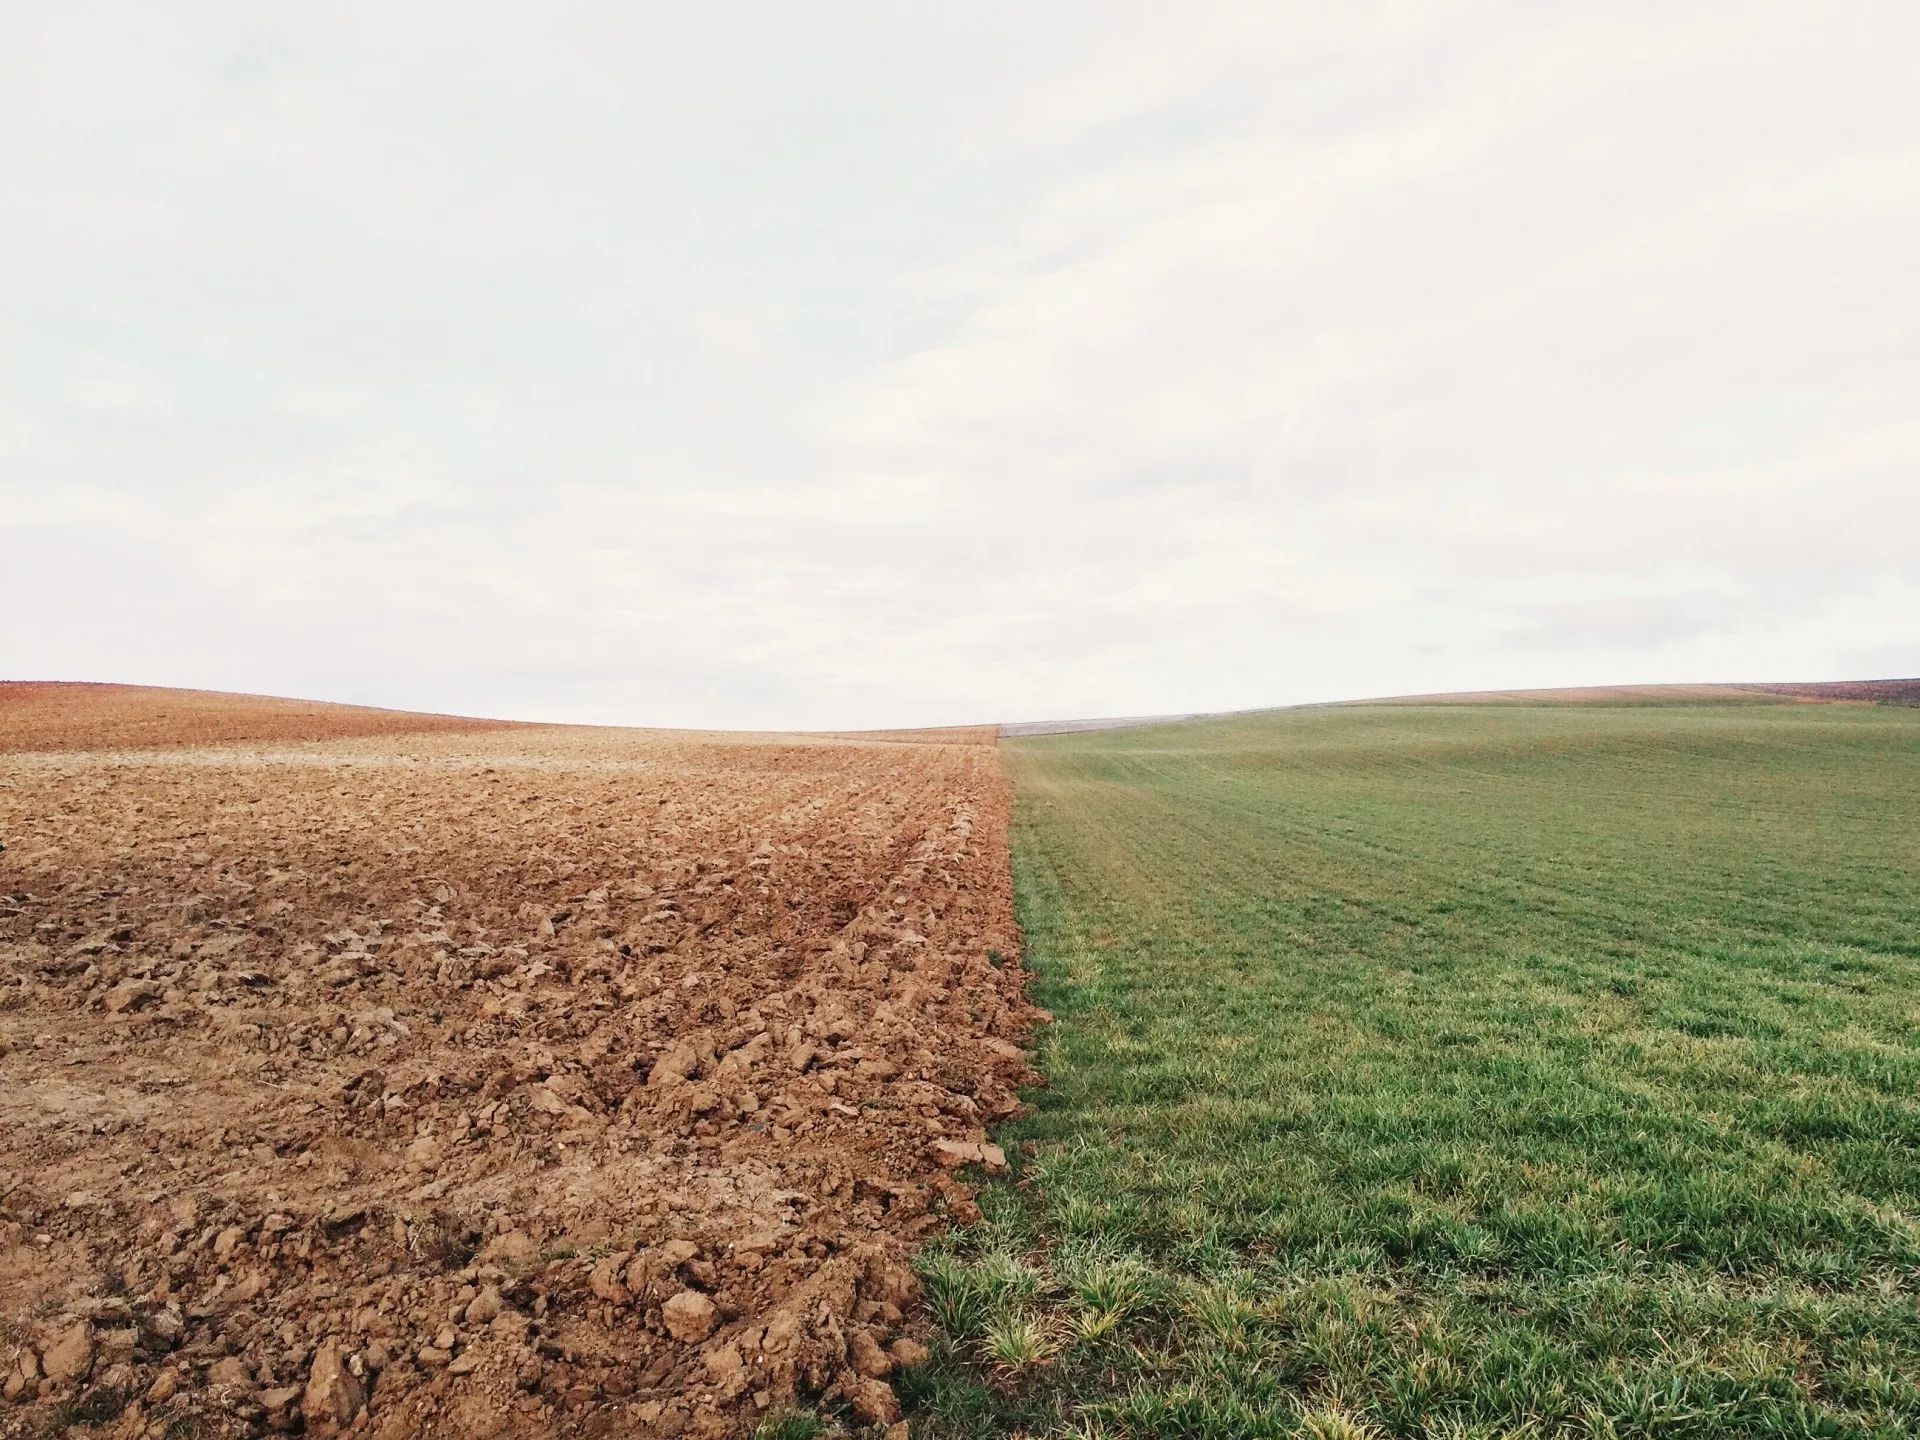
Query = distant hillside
x=1860 y=692
x=1070 y=727
x=73 y=715
x=1878 y=692
x=1828 y=692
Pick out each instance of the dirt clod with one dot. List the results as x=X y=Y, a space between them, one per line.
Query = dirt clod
x=70 y=1356
x=334 y=1394
x=873 y=1401
x=867 y=1356
x=908 y=1352
x=954 y=1153
x=689 y=1316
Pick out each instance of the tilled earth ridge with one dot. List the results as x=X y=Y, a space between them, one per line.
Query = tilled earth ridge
x=522 y=1082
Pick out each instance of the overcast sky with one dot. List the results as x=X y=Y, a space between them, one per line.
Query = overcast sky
x=837 y=365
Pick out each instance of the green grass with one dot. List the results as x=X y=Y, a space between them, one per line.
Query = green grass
x=792 y=1425
x=1438 y=1071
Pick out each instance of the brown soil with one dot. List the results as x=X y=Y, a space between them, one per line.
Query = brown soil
x=56 y=715
x=946 y=735
x=505 y=1081
x=1861 y=692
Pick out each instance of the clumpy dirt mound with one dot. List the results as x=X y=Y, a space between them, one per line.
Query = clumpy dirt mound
x=520 y=1082
x=57 y=715
x=1867 y=692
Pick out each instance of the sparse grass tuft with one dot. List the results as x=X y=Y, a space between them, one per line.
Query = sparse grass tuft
x=1016 y=1341
x=1006 y=1280
x=1329 y=1424
x=792 y=1425
x=1120 y=1286
x=954 y=1296
x=1223 y=1316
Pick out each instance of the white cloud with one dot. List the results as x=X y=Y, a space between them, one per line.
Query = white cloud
x=717 y=367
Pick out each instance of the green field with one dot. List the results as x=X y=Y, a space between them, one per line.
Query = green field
x=1460 y=1071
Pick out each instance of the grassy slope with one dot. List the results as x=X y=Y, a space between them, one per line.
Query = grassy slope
x=1441 y=1071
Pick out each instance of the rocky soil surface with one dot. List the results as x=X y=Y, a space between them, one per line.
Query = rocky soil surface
x=505 y=1081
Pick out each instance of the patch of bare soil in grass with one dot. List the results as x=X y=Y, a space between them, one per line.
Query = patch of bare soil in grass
x=509 y=1082
x=1859 y=692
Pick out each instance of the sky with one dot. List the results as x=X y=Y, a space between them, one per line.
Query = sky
x=763 y=366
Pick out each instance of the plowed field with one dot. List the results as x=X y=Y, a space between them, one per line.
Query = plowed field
x=40 y=716
x=476 y=1080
